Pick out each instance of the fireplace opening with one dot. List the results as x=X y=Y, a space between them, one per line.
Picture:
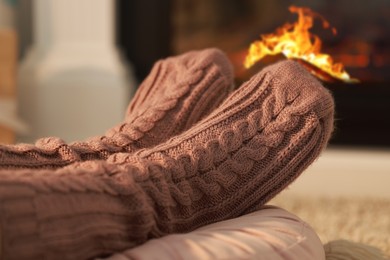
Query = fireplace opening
x=361 y=44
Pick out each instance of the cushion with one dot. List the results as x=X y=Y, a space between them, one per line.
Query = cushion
x=269 y=233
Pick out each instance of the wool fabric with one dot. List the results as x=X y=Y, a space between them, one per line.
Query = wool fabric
x=261 y=138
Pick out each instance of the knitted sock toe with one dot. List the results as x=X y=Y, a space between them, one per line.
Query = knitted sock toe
x=178 y=92
x=188 y=88
x=230 y=163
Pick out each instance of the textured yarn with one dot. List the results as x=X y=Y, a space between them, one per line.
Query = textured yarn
x=178 y=92
x=231 y=163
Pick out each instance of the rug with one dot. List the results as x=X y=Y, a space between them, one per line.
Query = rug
x=361 y=220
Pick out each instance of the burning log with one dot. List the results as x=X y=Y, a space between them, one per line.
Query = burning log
x=296 y=42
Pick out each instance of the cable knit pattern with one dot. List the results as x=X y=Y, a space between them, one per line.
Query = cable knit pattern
x=230 y=163
x=178 y=92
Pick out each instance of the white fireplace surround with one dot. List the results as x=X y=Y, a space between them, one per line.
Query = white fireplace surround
x=346 y=172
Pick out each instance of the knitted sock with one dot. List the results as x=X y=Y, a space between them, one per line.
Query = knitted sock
x=178 y=92
x=230 y=163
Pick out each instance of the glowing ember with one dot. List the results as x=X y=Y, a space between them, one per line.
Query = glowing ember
x=296 y=42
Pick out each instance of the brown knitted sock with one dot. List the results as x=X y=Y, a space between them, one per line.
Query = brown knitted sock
x=232 y=162
x=178 y=92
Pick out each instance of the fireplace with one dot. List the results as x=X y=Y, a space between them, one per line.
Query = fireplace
x=361 y=44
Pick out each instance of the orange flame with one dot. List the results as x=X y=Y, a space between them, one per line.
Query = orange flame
x=296 y=42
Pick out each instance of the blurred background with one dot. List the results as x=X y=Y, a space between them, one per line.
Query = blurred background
x=71 y=66
x=68 y=68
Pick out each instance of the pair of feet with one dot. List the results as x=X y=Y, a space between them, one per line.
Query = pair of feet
x=178 y=92
x=180 y=160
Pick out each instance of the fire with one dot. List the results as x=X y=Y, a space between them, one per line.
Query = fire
x=295 y=41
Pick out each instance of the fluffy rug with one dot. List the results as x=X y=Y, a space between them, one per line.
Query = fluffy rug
x=362 y=220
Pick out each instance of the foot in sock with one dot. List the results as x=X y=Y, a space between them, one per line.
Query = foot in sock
x=178 y=92
x=230 y=163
